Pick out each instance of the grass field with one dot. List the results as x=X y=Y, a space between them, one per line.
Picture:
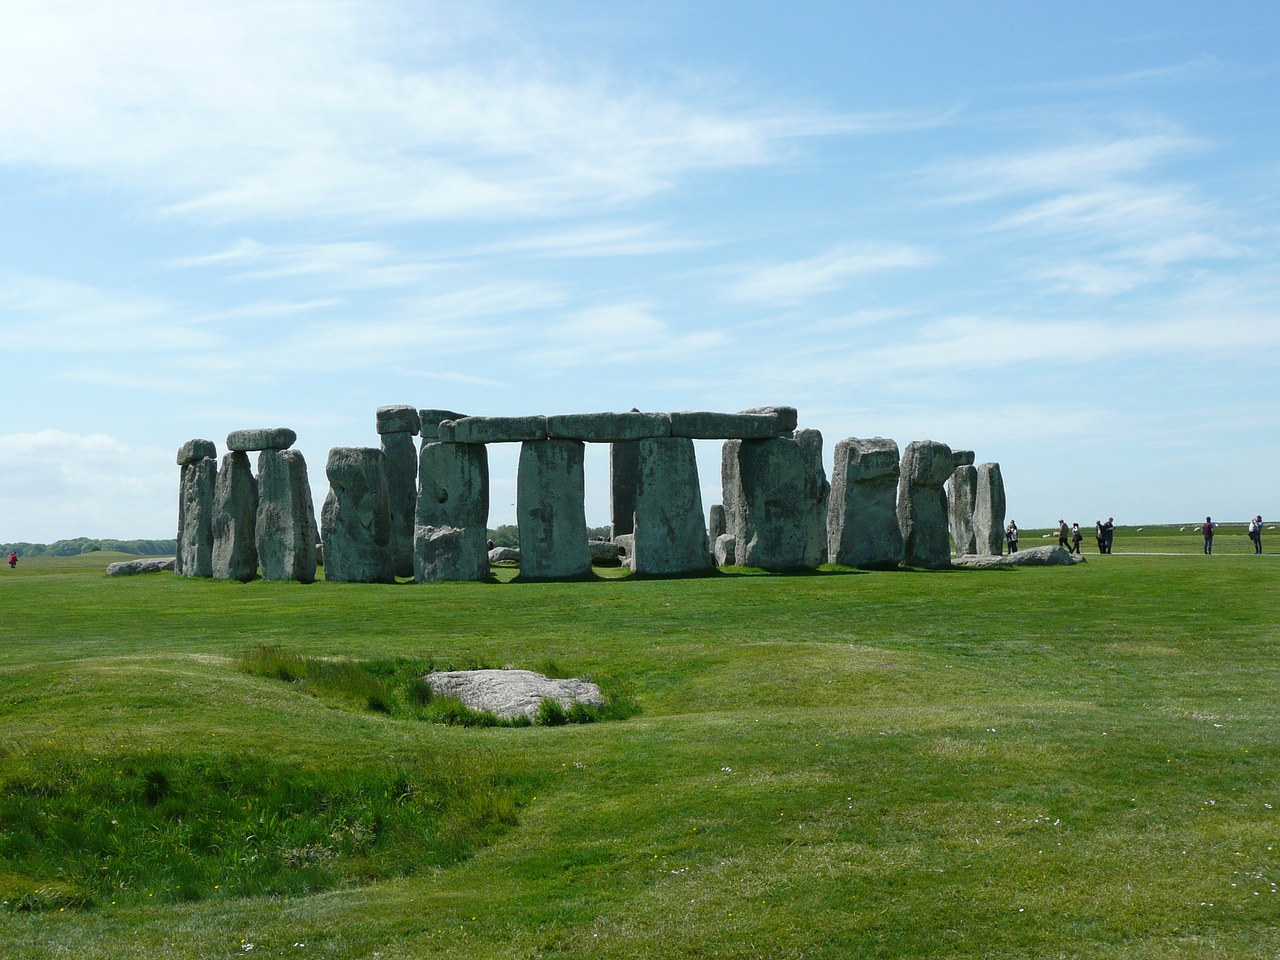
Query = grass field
x=1033 y=763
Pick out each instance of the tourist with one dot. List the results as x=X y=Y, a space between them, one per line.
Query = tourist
x=1109 y=532
x=1100 y=536
x=13 y=559
x=1255 y=533
x=1063 y=534
x=1011 y=536
x=1075 y=538
x=1206 y=528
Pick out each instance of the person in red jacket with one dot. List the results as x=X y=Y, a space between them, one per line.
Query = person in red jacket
x=13 y=559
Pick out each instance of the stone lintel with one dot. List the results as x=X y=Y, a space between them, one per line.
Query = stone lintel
x=193 y=451
x=608 y=427
x=266 y=438
x=701 y=425
x=963 y=458
x=429 y=421
x=399 y=418
x=493 y=429
x=788 y=417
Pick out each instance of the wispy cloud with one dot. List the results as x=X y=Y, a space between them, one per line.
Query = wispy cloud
x=795 y=280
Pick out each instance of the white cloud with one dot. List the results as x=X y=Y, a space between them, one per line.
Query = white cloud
x=793 y=281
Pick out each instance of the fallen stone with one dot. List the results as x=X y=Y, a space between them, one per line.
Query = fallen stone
x=269 y=438
x=398 y=418
x=862 y=517
x=604 y=553
x=510 y=694
x=127 y=568
x=235 y=510
x=549 y=510
x=504 y=555
x=194 y=451
x=608 y=427
x=494 y=429
x=355 y=521
x=449 y=553
x=922 y=504
x=726 y=549
x=626 y=543
x=1046 y=556
x=702 y=425
x=429 y=422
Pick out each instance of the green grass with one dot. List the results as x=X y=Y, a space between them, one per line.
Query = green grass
x=1048 y=762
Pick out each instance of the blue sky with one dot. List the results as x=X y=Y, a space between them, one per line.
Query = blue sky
x=1044 y=232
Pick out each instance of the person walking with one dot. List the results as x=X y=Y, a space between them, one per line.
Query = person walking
x=1075 y=538
x=1206 y=528
x=13 y=559
x=1064 y=535
x=1102 y=540
x=1011 y=536
x=1109 y=532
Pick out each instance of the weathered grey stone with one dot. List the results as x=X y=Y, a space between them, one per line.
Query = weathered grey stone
x=729 y=485
x=429 y=422
x=550 y=512
x=128 y=568
x=398 y=418
x=449 y=553
x=604 y=553
x=608 y=427
x=285 y=528
x=1046 y=556
x=922 y=504
x=814 y=496
x=988 y=510
x=195 y=518
x=962 y=458
x=862 y=519
x=494 y=429
x=355 y=521
x=962 y=490
x=453 y=512
x=726 y=550
x=504 y=555
x=787 y=417
x=624 y=462
x=669 y=533
x=715 y=524
x=235 y=510
x=402 y=491
x=626 y=544
x=194 y=451
x=770 y=518
x=702 y=425
x=512 y=693
x=266 y=438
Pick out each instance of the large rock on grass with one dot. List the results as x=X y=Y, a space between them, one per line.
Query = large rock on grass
x=511 y=694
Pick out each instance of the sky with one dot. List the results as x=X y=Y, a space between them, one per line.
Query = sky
x=1047 y=233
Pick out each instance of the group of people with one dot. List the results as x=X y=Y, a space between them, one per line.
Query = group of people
x=1070 y=537
x=1255 y=534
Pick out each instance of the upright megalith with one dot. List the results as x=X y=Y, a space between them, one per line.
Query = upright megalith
x=988 y=510
x=814 y=495
x=550 y=511
x=862 y=520
x=235 y=509
x=285 y=527
x=449 y=537
x=355 y=521
x=922 y=504
x=716 y=527
x=397 y=426
x=669 y=534
x=624 y=462
x=770 y=516
x=195 y=508
x=962 y=489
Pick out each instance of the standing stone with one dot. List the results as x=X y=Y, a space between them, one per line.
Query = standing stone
x=729 y=482
x=815 y=494
x=988 y=510
x=355 y=521
x=922 y=504
x=450 y=532
x=669 y=535
x=769 y=512
x=285 y=528
x=962 y=491
x=724 y=550
x=397 y=426
x=550 y=511
x=194 y=555
x=235 y=508
x=624 y=463
x=715 y=524
x=862 y=522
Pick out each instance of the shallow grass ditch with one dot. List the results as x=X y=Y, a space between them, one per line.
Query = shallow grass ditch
x=1038 y=763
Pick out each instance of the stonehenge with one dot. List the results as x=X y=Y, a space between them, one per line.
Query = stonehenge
x=396 y=512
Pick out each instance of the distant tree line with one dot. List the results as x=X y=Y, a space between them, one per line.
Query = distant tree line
x=73 y=548
x=508 y=535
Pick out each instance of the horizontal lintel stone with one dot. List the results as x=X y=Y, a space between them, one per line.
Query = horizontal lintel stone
x=788 y=417
x=429 y=421
x=493 y=429
x=608 y=427
x=399 y=418
x=265 y=438
x=193 y=451
x=701 y=425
